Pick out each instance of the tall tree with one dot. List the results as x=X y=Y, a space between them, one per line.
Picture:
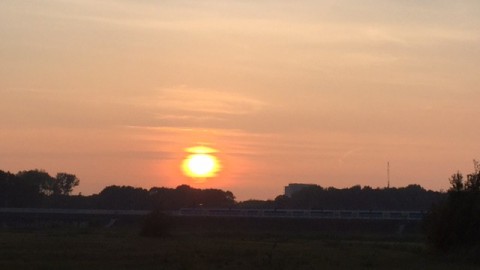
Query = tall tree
x=455 y=223
x=64 y=183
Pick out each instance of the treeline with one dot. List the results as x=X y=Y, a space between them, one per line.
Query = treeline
x=30 y=188
x=36 y=188
x=126 y=197
x=411 y=197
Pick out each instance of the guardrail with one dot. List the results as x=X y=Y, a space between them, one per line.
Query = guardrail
x=225 y=212
x=301 y=213
x=73 y=211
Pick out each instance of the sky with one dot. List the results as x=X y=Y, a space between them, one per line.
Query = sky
x=324 y=92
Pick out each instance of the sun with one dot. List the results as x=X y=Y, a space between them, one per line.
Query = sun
x=201 y=163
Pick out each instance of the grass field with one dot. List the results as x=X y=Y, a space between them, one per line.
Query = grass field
x=123 y=248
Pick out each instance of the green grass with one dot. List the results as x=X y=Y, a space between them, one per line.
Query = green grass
x=125 y=249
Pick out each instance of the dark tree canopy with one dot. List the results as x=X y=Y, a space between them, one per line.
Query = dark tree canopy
x=64 y=183
x=37 y=181
x=455 y=223
x=36 y=188
x=186 y=196
x=412 y=197
x=123 y=197
x=32 y=188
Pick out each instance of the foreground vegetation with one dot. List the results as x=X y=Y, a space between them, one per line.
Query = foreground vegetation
x=89 y=248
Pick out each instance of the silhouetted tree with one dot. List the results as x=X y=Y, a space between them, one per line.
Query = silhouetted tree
x=217 y=198
x=123 y=197
x=64 y=183
x=256 y=204
x=455 y=223
x=456 y=181
x=33 y=188
x=7 y=188
x=36 y=181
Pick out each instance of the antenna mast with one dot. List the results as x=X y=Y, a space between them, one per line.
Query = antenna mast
x=388 y=174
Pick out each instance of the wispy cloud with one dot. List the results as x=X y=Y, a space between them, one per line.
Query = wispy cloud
x=206 y=101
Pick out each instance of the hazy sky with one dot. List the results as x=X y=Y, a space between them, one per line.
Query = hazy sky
x=323 y=92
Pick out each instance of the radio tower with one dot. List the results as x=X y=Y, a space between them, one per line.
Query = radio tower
x=388 y=174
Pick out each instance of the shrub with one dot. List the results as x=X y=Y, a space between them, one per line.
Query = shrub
x=156 y=224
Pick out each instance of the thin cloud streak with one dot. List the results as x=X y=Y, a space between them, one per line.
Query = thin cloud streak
x=207 y=101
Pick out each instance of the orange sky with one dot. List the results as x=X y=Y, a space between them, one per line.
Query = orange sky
x=323 y=92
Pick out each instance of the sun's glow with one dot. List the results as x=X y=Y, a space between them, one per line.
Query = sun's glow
x=201 y=150
x=201 y=164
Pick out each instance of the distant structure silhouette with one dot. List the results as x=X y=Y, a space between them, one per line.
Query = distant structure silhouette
x=295 y=187
x=388 y=174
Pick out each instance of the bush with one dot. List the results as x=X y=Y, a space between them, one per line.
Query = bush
x=156 y=224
